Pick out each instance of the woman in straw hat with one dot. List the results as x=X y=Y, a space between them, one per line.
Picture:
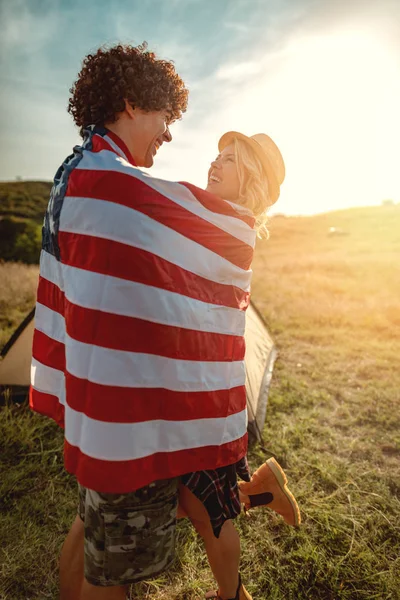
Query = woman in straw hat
x=247 y=172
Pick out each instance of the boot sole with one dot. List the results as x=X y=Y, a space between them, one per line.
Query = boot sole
x=282 y=479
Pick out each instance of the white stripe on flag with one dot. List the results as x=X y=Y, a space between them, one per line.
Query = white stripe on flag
x=112 y=221
x=178 y=193
x=132 y=299
x=50 y=322
x=129 y=441
x=48 y=380
x=116 y=147
x=137 y=370
x=51 y=269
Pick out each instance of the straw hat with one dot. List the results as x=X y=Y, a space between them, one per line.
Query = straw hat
x=269 y=155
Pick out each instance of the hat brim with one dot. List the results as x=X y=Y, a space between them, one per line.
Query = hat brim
x=273 y=184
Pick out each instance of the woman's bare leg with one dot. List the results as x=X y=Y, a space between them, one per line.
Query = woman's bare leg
x=224 y=552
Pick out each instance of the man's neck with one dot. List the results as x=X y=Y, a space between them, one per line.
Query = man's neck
x=119 y=128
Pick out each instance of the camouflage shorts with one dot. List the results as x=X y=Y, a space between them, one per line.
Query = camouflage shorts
x=128 y=537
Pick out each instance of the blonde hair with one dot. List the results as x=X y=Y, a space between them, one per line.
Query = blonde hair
x=253 y=190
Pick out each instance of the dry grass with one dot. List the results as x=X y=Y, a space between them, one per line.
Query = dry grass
x=17 y=295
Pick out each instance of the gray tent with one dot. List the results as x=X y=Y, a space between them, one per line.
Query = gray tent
x=15 y=360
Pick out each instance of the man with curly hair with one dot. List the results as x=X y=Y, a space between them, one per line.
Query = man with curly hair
x=133 y=94
x=138 y=350
x=123 y=101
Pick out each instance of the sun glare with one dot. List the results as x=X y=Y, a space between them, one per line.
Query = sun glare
x=332 y=103
x=347 y=99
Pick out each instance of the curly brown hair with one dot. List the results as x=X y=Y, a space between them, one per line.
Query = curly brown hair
x=112 y=75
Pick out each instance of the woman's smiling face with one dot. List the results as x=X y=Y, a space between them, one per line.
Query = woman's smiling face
x=223 y=178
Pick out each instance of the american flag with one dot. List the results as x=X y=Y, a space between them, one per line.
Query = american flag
x=138 y=351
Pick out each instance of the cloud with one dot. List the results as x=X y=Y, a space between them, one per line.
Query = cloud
x=20 y=26
x=236 y=27
x=317 y=16
x=235 y=71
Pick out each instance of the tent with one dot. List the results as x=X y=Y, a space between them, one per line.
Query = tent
x=259 y=363
x=15 y=360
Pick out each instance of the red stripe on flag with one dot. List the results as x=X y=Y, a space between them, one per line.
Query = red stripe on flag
x=50 y=295
x=213 y=203
x=126 y=262
x=125 y=476
x=47 y=404
x=99 y=144
x=128 y=191
x=134 y=405
x=47 y=351
x=131 y=334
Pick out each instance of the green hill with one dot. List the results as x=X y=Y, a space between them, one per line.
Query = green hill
x=22 y=207
x=24 y=199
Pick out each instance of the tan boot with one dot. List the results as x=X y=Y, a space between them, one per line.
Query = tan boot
x=241 y=593
x=180 y=513
x=268 y=488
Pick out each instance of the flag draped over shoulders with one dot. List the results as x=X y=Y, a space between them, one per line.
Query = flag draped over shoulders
x=138 y=350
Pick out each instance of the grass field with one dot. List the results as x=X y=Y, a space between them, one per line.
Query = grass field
x=333 y=421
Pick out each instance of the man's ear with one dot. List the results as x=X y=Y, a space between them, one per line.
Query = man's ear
x=130 y=111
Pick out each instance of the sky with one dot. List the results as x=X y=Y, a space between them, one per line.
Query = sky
x=321 y=77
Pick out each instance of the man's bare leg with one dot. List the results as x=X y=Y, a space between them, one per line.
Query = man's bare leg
x=223 y=552
x=73 y=585
x=71 y=562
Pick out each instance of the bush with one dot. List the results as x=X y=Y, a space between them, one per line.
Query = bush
x=20 y=240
